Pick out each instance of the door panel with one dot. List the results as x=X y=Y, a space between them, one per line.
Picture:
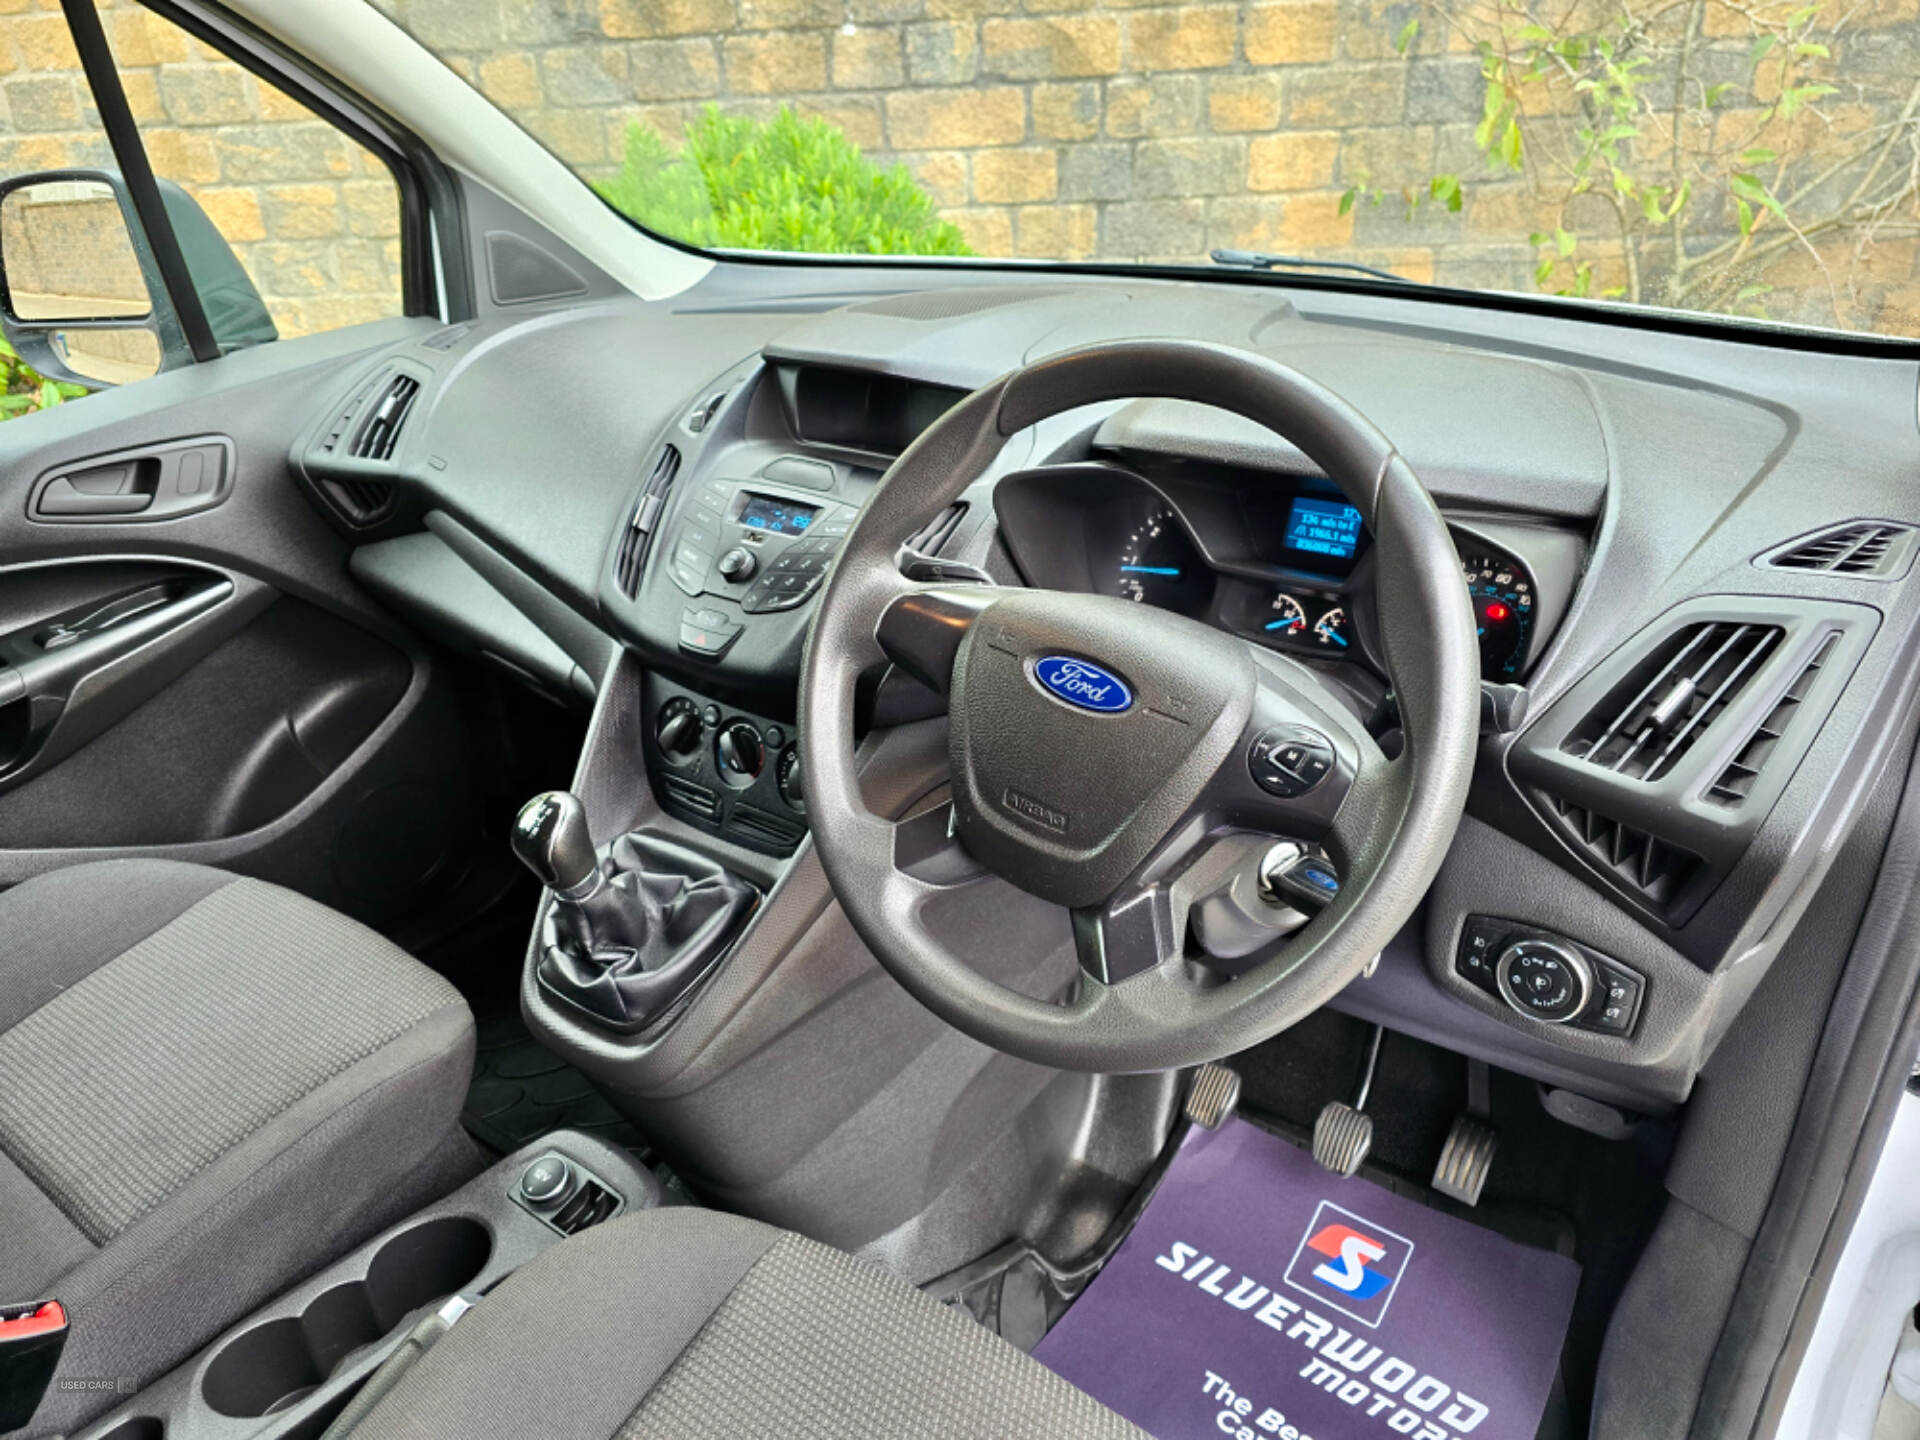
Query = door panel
x=211 y=683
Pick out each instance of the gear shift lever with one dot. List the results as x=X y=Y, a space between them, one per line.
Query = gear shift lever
x=550 y=837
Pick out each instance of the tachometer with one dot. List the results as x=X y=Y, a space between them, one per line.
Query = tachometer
x=1503 y=605
x=1289 y=618
x=1158 y=565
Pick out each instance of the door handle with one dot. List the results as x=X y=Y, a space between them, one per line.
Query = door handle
x=157 y=482
x=64 y=497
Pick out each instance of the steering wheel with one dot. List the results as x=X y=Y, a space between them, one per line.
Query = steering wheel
x=1099 y=748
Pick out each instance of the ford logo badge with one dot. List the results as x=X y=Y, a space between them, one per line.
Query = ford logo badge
x=1082 y=683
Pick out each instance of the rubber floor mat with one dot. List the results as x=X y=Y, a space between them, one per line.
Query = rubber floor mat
x=1262 y=1298
x=521 y=1090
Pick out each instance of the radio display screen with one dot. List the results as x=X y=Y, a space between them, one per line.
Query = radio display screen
x=777 y=517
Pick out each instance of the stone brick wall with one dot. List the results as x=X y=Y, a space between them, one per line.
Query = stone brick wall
x=1133 y=130
x=313 y=216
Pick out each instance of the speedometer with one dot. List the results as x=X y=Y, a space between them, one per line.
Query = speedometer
x=1503 y=606
x=1158 y=565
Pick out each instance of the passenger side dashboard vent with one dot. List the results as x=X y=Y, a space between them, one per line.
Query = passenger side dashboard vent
x=631 y=558
x=1859 y=549
x=364 y=502
x=1652 y=868
x=377 y=435
x=1667 y=703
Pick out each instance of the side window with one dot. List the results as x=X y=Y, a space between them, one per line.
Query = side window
x=313 y=218
x=287 y=226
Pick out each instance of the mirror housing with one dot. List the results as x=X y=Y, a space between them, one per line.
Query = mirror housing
x=81 y=298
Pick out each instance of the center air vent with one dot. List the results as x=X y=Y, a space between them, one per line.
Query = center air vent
x=1648 y=723
x=1860 y=549
x=932 y=538
x=631 y=557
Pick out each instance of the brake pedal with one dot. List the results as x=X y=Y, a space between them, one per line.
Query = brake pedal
x=1342 y=1133
x=1213 y=1096
x=1467 y=1158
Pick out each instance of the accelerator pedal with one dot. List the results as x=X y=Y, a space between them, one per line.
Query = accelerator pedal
x=1467 y=1158
x=1213 y=1096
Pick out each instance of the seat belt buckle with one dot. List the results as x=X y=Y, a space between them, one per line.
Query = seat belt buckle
x=31 y=1339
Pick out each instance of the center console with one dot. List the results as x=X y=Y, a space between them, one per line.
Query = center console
x=289 y=1370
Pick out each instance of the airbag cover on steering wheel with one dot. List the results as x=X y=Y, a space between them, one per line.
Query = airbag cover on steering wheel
x=1065 y=799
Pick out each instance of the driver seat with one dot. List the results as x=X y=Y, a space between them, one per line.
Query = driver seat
x=680 y=1323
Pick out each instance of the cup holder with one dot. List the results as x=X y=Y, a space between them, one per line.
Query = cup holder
x=281 y=1362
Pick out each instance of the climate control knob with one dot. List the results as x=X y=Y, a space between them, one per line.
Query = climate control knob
x=677 y=728
x=740 y=754
x=1544 y=981
x=793 y=785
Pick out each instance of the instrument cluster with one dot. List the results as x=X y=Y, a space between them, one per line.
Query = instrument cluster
x=1320 y=599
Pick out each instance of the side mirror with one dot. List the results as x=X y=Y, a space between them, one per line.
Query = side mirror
x=81 y=298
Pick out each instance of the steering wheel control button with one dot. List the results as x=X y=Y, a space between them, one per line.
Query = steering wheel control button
x=708 y=632
x=546 y=1181
x=1544 y=980
x=1289 y=760
x=738 y=566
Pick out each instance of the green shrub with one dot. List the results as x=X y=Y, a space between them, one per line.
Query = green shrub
x=780 y=184
x=23 y=390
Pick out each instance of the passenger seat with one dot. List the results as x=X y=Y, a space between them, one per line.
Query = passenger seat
x=209 y=1087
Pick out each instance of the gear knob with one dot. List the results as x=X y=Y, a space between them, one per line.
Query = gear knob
x=550 y=837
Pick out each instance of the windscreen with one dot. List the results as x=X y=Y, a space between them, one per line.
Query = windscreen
x=1747 y=159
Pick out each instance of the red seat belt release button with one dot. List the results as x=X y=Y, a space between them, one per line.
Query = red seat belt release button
x=31 y=1339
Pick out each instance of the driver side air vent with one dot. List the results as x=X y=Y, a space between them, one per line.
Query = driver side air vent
x=1736 y=781
x=631 y=558
x=1861 y=549
x=1649 y=721
x=1649 y=866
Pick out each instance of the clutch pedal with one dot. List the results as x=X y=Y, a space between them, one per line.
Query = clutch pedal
x=1467 y=1158
x=1342 y=1133
x=1213 y=1096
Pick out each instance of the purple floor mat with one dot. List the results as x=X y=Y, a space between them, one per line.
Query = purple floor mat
x=1262 y=1298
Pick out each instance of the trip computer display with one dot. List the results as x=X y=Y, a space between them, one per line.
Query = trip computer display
x=777 y=517
x=1329 y=529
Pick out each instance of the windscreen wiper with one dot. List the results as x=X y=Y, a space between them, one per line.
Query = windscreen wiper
x=1266 y=260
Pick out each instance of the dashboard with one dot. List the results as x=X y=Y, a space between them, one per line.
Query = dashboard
x=1689 y=559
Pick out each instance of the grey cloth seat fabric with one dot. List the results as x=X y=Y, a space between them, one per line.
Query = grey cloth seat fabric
x=209 y=1086
x=677 y=1323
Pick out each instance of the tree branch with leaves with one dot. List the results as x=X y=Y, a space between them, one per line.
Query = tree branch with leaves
x=1702 y=154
